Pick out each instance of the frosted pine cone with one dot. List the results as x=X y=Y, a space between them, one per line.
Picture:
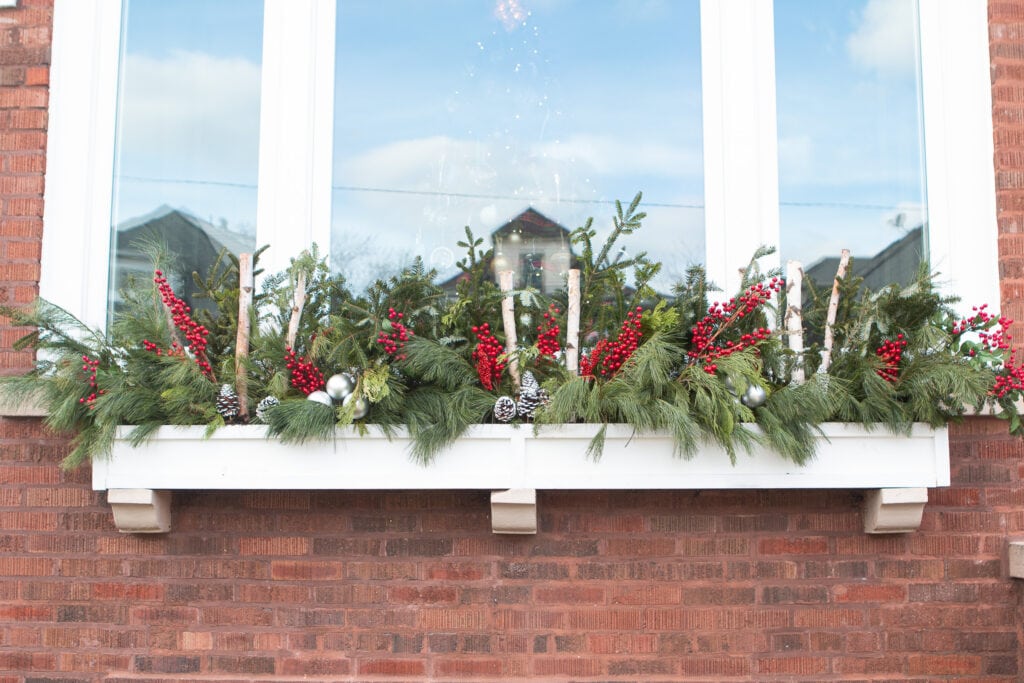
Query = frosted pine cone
x=227 y=402
x=528 y=384
x=528 y=403
x=265 y=405
x=504 y=409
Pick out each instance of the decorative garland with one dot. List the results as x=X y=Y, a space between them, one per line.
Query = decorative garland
x=311 y=355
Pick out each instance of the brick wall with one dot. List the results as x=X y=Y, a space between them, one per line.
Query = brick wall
x=734 y=585
x=710 y=586
x=24 y=77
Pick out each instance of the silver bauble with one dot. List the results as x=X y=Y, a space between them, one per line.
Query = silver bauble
x=754 y=396
x=321 y=397
x=339 y=386
x=729 y=386
x=361 y=407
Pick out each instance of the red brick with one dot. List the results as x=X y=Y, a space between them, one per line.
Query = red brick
x=318 y=666
x=568 y=666
x=468 y=667
x=392 y=667
x=305 y=571
x=273 y=546
x=870 y=593
x=793 y=546
x=940 y=665
x=572 y=595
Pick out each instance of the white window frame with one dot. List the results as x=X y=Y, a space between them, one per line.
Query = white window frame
x=296 y=131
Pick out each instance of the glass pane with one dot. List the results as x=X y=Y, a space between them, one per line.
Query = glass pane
x=851 y=157
x=520 y=119
x=187 y=135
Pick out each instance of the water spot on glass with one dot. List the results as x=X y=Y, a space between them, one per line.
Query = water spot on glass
x=480 y=45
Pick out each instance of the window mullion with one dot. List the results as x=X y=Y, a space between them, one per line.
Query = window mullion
x=741 y=167
x=80 y=156
x=957 y=95
x=293 y=207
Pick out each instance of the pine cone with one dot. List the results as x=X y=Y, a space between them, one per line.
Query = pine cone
x=528 y=384
x=227 y=402
x=528 y=403
x=265 y=405
x=504 y=409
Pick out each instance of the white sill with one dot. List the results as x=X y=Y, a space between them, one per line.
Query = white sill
x=509 y=457
x=513 y=462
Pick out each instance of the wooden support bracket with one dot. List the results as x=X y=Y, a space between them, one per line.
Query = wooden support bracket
x=514 y=511
x=894 y=511
x=1016 y=558
x=140 y=511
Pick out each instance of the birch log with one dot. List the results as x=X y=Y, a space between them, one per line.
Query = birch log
x=572 y=324
x=795 y=316
x=245 y=287
x=298 y=301
x=508 y=319
x=833 y=308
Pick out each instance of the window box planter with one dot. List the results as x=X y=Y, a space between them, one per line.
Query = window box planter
x=513 y=463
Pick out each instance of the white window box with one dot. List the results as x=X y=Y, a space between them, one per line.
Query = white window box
x=515 y=462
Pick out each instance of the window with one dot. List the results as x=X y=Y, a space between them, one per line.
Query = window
x=851 y=146
x=518 y=119
x=735 y=196
x=186 y=151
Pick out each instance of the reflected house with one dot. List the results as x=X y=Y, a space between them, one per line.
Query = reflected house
x=194 y=242
x=535 y=248
x=897 y=263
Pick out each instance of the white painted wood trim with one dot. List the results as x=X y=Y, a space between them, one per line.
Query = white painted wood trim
x=514 y=511
x=293 y=206
x=508 y=457
x=140 y=511
x=959 y=164
x=741 y=147
x=1015 y=559
x=80 y=156
x=894 y=511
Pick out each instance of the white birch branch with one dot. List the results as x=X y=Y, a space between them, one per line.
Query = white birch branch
x=795 y=317
x=572 y=325
x=508 y=319
x=245 y=288
x=833 y=308
x=298 y=301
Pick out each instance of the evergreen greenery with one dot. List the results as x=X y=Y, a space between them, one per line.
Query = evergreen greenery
x=671 y=363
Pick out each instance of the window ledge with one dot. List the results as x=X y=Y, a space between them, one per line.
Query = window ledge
x=514 y=462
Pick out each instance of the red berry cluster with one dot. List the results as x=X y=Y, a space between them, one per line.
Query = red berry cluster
x=485 y=356
x=983 y=322
x=891 y=353
x=721 y=317
x=395 y=341
x=547 y=333
x=607 y=357
x=195 y=334
x=305 y=376
x=1010 y=379
x=175 y=349
x=89 y=366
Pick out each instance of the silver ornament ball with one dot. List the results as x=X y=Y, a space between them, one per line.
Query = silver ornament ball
x=754 y=396
x=321 y=397
x=339 y=386
x=361 y=407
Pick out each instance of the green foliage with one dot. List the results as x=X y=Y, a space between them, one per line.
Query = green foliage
x=430 y=383
x=221 y=287
x=605 y=297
